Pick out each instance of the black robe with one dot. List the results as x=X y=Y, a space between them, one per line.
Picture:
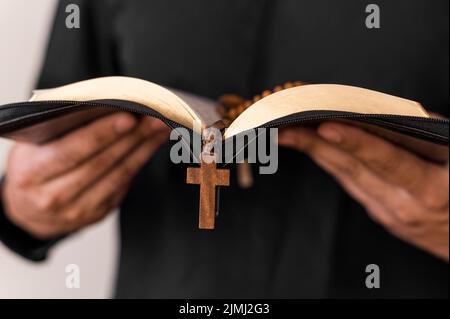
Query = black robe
x=296 y=233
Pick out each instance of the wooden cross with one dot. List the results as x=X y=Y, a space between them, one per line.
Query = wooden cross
x=208 y=177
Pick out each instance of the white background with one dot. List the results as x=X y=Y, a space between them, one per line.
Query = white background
x=24 y=29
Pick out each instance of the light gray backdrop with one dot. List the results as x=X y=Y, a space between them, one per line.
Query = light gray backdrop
x=24 y=28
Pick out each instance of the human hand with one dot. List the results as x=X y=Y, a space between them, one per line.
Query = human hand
x=66 y=184
x=408 y=195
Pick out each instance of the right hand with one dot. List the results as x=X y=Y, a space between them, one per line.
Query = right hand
x=56 y=188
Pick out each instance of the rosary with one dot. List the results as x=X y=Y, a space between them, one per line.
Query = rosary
x=208 y=176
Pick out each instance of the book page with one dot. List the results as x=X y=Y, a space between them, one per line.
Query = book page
x=327 y=97
x=135 y=90
x=205 y=108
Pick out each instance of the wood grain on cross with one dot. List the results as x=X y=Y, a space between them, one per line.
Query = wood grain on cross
x=208 y=177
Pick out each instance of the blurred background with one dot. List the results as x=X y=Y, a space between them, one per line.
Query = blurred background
x=24 y=30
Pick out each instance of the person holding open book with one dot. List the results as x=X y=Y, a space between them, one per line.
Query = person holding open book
x=343 y=198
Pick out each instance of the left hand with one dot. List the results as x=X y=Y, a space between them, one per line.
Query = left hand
x=408 y=195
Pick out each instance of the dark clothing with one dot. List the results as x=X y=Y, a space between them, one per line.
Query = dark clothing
x=293 y=234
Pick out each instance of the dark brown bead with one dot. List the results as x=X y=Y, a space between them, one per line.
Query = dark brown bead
x=231 y=100
x=288 y=85
x=266 y=93
x=278 y=88
x=299 y=83
x=233 y=113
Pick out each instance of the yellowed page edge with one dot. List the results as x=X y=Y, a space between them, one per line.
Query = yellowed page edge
x=326 y=97
x=131 y=89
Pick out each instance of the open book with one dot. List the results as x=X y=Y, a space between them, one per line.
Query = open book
x=51 y=113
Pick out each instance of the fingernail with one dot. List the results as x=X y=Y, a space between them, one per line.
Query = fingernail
x=330 y=134
x=124 y=123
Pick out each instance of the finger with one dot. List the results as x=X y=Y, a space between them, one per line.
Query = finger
x=40 y=226
x=393 y=163
x=75 y=182
x=14 y=201
x=346 y=168
x=105 y=207
x=72 y=149
x=74 y=221
x=374 y=209
x=114 y=181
